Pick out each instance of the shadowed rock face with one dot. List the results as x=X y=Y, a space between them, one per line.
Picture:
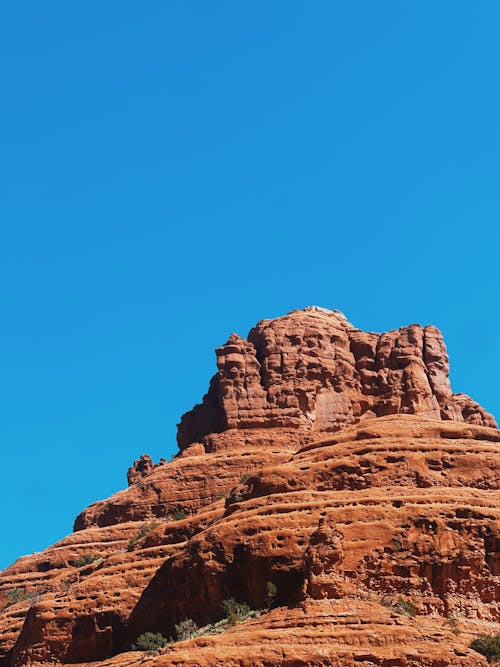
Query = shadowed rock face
x=397 y=509
x=312 y=370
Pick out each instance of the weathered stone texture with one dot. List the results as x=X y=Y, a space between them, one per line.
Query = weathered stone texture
x=314 y=371
x=334 y=463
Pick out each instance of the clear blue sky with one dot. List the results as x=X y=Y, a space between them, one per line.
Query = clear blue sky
x=174 y=171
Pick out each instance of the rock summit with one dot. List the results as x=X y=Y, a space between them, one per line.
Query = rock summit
x=333 y=503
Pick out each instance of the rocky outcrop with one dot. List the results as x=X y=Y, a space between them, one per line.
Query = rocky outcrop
x=323 y=562
x=312 y=370
x=340 y=468
x=430 y=534
x=140 y=468
x=396 y=508
x=188 y=483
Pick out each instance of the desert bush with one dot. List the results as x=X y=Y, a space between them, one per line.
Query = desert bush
x=453 y=625
x=489 y=646
x=150 y=642
x=235 y=611
x=271 y=593
x=186 y=629
x=244 y=478
x=143 y=531
x=86 y=559
x=404 y=607
x=16 y=595
x=178 y=515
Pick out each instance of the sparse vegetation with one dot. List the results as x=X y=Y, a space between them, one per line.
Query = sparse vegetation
x=238 y=498
x=150 y=642
x=16 y=595
x=186 y=629
x=20 y=595
x=405 y=607
x=489 y=646
x=244 y=478
x=86 y=559
x=178 y=515
x=453 y=624
x=271 y=593
x=144 y=530
x=235 y=611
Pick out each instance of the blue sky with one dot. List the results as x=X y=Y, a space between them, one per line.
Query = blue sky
x=175 y=171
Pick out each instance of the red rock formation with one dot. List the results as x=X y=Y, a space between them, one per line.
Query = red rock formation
x=322 y=633
x=358 y=528
x=313 y=370
x=323 y=562
x=187 y=483
x=140 y=468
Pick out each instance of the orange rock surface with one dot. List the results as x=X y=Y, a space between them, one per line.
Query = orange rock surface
x=313 y=370
x=334 y=463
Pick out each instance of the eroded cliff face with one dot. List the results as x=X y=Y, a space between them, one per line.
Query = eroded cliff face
x=337 y=465
x=313 y=370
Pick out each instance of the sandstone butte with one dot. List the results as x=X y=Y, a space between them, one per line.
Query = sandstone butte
x=335 y=463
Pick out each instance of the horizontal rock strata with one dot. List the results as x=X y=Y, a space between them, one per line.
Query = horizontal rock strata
x=336 y=465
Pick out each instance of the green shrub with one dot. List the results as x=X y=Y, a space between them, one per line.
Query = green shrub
x=178 y=515
x=150 y=642
x=16 y=595
x=143 y=531
x=405 y=607
x=86 y=559
x=235 y=611
x=186 y=629
x=271 y=593
x=244 y=478
x=487 y=645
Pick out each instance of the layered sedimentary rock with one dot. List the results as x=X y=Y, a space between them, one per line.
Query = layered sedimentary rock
x=322 y=633
x=313 y=370
x=335 y=464
x=188 y=483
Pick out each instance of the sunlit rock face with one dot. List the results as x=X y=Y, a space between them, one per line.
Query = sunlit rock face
x=336 y=465
x=312 y=370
